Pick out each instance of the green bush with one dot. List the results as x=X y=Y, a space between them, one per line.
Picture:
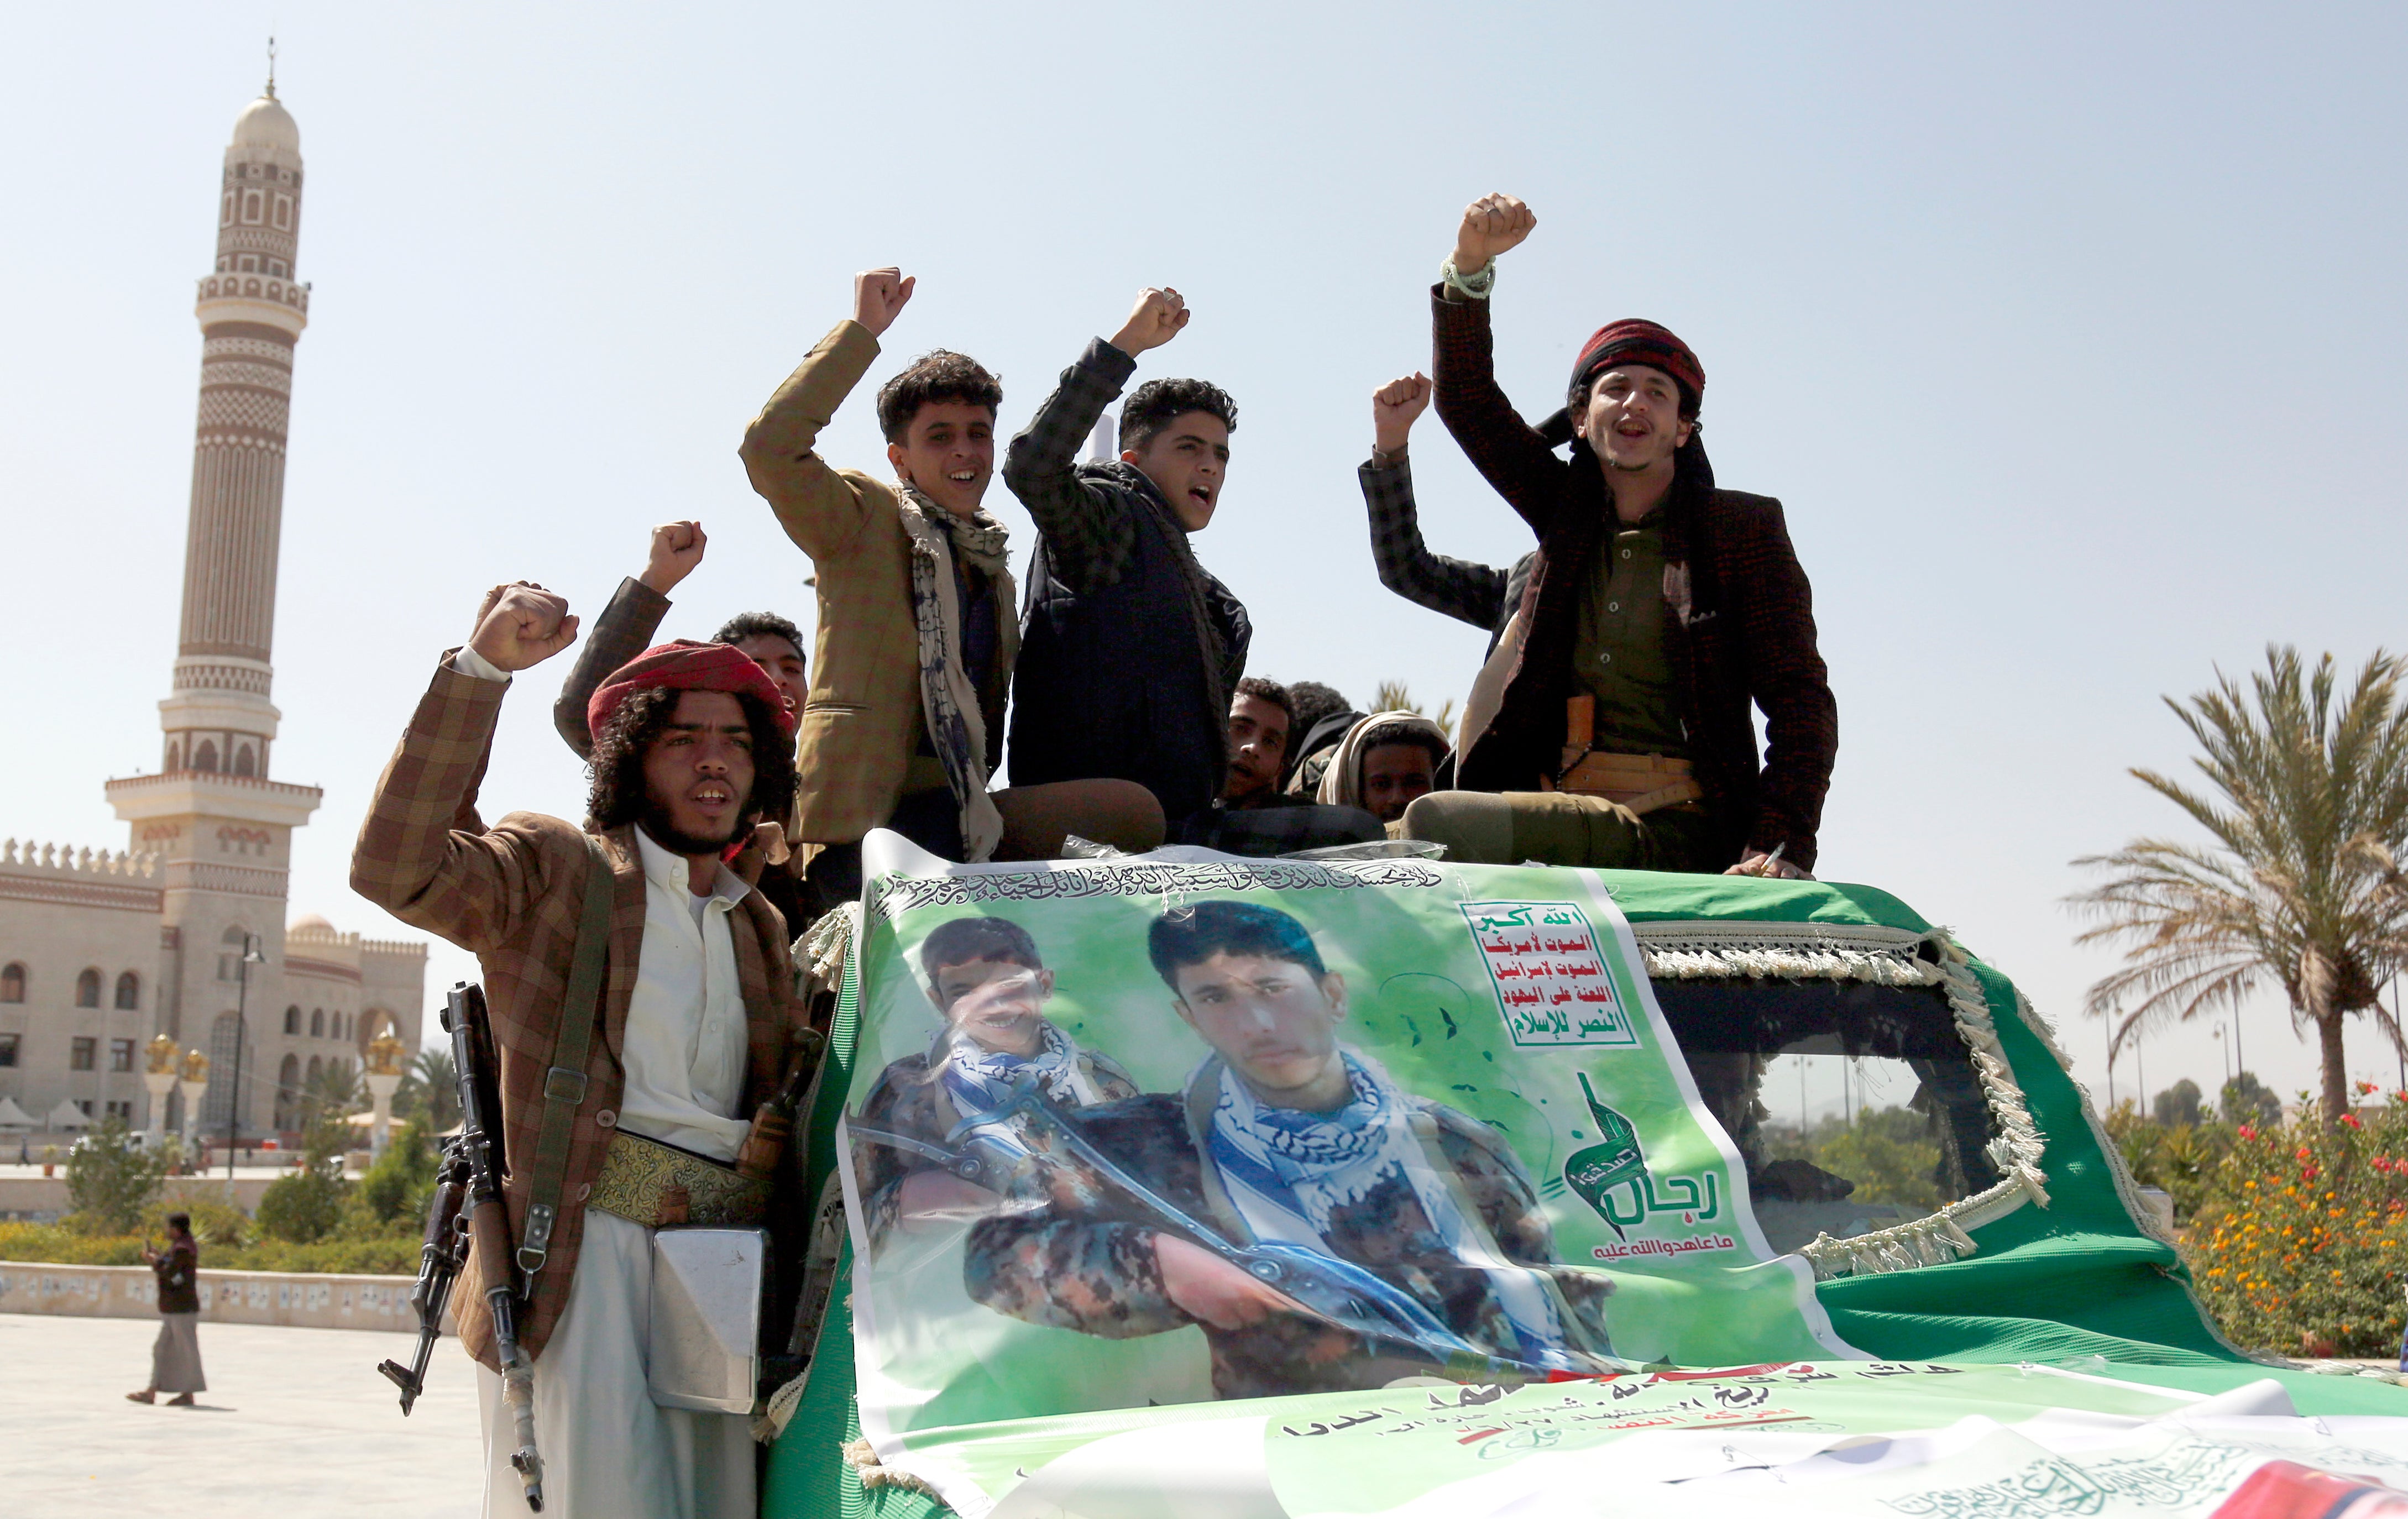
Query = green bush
x=217 y=1224
x=54 y=1242
x=2180 y=1159
x=312 y=1219
x=395 y=1188
x=2300 y=1243
x=394 y=1255
x=110 y=1180
x=1888 y=1153
x=304 y=1205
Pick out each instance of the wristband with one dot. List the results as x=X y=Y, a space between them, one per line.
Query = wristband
x=1475 y=286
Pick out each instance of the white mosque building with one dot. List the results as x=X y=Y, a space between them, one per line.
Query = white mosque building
x=184 y=932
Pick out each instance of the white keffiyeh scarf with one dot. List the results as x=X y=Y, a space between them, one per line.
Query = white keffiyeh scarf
x=980 y=1080
x=1287 y=1171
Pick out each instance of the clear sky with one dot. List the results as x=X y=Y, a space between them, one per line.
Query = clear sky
x=2069 y=336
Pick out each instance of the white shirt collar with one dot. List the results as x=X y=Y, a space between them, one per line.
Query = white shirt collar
x=669 y=872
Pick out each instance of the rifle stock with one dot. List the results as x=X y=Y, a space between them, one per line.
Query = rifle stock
x=469 y=1215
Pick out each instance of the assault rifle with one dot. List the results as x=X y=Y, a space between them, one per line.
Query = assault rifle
x=467 y=1213
x=982 y=1148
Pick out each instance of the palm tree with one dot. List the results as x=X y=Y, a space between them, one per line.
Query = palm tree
x=1393 y=696
x=335 y=1092
x=431 y=1089
x=2307 y=806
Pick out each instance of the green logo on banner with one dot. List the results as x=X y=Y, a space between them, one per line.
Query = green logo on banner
x=1608 y=1163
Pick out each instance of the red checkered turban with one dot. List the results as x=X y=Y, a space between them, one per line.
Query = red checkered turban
x=1633 y=341
x=684 y=665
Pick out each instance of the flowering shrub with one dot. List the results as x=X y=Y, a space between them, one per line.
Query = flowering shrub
x=2298 y=1242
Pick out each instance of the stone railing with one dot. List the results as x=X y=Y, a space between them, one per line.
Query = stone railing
x=293 y=1299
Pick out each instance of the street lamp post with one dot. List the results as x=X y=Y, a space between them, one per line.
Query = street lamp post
x=251 y=956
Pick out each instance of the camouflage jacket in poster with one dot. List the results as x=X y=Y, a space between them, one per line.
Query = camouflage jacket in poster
x=1080 y=1254
x=910 y=1099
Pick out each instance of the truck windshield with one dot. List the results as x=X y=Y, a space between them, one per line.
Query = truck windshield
x=1855 y=1106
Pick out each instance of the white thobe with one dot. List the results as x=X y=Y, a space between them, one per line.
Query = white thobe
x=608 y=1451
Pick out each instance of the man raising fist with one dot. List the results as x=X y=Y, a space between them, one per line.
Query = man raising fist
x=1131 y=649
x=903 y=728
x=1481 y=594
x=1660 y=611
x=624 y=1112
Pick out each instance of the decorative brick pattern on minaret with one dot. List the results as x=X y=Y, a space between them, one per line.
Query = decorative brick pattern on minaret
x=220 y=828
x=252 y=311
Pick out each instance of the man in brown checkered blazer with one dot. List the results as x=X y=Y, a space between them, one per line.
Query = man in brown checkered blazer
x=697 y=1022
x=903 y=727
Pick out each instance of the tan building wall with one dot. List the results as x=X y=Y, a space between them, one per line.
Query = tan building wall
x=75 y=924
x=340 y=991
x=79 y=979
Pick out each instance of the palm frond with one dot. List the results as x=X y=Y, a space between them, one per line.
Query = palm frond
x=2302 y=790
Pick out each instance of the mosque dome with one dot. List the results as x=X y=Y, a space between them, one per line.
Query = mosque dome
x=310 y=920
x=266 y=123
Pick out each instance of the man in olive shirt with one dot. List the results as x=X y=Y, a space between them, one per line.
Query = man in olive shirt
x=1662 y=610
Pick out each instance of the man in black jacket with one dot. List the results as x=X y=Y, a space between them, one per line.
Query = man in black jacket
x=176 y=1356
x=1129 y=648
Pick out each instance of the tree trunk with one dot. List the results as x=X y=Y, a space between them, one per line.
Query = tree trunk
x=2328 y=1047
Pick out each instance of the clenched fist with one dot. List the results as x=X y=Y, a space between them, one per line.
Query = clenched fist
x=1394 y=406
x=522 y=624
x=1491 y=225
x=879 y=296
x=1155 y=321
x=677 y=549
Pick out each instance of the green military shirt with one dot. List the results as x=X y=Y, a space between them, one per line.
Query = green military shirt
x=1618 y=653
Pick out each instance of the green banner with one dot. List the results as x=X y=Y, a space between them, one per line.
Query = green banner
x=1925 y=1438
x=1124 y=1136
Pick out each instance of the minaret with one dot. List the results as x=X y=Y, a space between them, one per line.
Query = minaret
x=224 y=828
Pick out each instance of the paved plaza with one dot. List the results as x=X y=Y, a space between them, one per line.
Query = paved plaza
x=296 y=1423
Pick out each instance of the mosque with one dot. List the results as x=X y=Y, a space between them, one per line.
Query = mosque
x=183 y=933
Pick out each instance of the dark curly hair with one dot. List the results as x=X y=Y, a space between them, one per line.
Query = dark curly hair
x=619 y=796
x=745 y=625
x=941 y=375
x=1309 y=701
x=1153 y=406
x=1269 y=691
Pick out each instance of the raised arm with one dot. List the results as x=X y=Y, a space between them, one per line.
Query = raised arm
x=423 y=854
x=1509 y=452
x=1467 y=591
x=1088 y=535
x=626 y=626
x=820 y=509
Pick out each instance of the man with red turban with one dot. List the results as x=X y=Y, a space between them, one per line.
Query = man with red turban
x=628 y=1112
x=1659 y=612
